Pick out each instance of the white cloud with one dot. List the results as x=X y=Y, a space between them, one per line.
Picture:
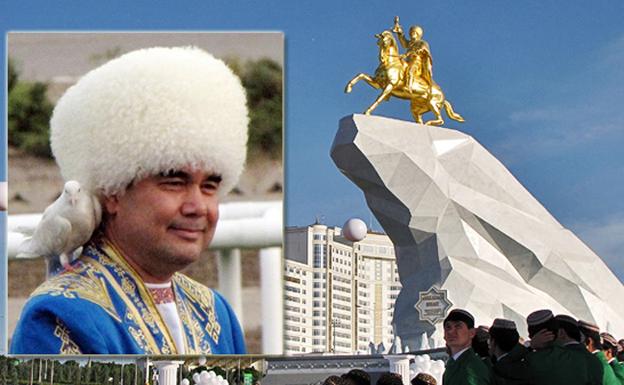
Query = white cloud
x=590 y=112
x=606 y=238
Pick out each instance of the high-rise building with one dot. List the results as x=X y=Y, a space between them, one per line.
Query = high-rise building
x=339 y=295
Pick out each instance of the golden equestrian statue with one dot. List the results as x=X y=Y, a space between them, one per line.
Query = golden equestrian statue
x=407 y=76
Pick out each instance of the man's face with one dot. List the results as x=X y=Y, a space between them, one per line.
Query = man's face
x=415 y=33
x=162 y=223
x=608 y=354
x=457 y=335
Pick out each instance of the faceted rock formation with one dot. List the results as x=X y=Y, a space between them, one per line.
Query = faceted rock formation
x=460 y=221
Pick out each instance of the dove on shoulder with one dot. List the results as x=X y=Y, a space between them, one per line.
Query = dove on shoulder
x=65 y=226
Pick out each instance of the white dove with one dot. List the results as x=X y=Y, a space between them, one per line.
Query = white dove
x=65 y=226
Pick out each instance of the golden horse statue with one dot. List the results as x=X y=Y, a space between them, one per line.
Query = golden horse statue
x=391 y=77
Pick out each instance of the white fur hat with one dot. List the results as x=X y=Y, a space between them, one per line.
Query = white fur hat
x=151 y=111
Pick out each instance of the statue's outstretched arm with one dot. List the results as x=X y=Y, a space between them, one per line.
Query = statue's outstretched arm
x=399 y=32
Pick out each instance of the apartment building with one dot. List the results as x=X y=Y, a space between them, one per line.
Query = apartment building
x=339 y=295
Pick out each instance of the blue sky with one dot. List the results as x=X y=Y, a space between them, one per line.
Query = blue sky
x=541 y=85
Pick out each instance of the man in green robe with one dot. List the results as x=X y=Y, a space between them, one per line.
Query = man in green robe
x=569 y=337
x=593 y=343
x=463 y=367
x=480 y=345
x=510 y=365
x=549 y=363
x=609 y=347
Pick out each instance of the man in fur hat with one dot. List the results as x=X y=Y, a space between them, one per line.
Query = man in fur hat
x=157 y=135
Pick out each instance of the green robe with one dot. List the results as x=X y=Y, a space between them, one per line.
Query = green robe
x=618 y=369
x=487 y=361
x=557 y=365
x=594 y=366
x=608 y=377
x=468 y=369
x=512 y=369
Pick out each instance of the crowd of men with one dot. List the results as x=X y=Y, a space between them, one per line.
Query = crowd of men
x=560 y=351
x=360 y=377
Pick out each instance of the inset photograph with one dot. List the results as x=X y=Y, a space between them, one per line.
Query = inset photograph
x=145 y=193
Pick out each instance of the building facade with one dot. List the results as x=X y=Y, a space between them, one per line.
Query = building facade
x=339 y=295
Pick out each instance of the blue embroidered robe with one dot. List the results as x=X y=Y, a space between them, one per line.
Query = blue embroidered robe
x=103 y=307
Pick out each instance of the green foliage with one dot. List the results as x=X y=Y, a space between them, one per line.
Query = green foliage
x=237 y=376
x=262 y=80
x=11 y=76
x=29 y=115
x=16 y=372
x=129 y=374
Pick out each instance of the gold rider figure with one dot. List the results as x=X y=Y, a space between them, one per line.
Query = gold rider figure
x=419 y=61
x=407 y=76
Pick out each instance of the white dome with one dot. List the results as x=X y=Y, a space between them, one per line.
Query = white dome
x=354 y=229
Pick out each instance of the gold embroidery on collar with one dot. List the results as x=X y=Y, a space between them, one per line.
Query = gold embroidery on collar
x=186 y=319
x=140 y=318
x=144 y=303
x=140 y=339
x=203 y=299
x=67 y=345
x=80 y=283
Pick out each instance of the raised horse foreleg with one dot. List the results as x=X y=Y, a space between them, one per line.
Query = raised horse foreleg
x=386 y=92
x=357 y=78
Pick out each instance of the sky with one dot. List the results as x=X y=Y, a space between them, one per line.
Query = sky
x=540 y=83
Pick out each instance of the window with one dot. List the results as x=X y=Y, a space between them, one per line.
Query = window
x=319 y=256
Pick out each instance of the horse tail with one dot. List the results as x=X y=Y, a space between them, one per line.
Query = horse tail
x=451 y=113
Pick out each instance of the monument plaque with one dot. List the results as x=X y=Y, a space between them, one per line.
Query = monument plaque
x=433 y=305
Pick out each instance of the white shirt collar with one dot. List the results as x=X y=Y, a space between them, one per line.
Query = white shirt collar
x=459 y=353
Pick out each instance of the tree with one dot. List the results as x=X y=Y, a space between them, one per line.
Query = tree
x=11 y=76
x=3 y=370
x=12 y=371
x=86 y=373
x=116 y=374
x=262 y=80
x=29 y=113
x=72 y=372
